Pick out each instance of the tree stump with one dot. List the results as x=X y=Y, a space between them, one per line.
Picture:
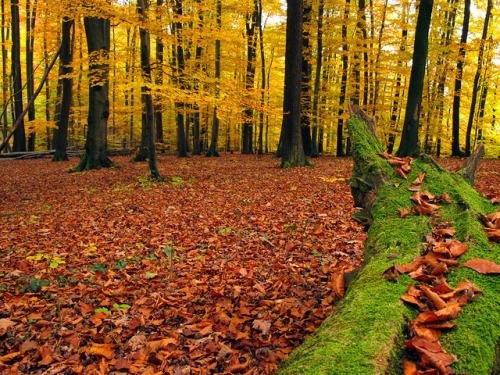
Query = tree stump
x=366 y=331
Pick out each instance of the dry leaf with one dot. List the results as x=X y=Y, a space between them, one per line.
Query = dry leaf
x=483 y=266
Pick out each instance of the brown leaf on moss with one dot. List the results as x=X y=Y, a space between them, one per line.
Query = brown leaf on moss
x=457 y=248
x=400 y=172
x=403 y=212
x=337 y=284
x=424 y=332
x=391 y=274
x=483 y=266
x=419 y=179
x=450 y=312
x=492 y=234
x=410 y=368
x=434 y=297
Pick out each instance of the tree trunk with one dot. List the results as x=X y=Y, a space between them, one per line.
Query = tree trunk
x=455 y=143
x=147 y=98
x=19 y=133
x=305 y=114
x=263 y=80
x=292 y=151
x=212 y=150
x=182 y=147
x=475 y=87
x=409 y=139
x=197 y=142
x=365 y=334
x=30 y=79
x=158 y=108
x=247 y=136
x=63 y=108
x=5 y=79
x=98 y=45
x=317 y=80
x=343 y=84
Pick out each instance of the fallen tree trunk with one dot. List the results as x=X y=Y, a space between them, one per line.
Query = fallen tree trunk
x=366 y=331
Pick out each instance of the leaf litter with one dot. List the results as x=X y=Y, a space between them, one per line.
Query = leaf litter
x=436 y=302
x=225 y=268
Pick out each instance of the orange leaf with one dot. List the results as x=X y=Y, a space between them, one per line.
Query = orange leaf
x=483 y=266
x=337 y=284
x=403 y=212
x=436 y=300
x=103 y=350
x=410 y=368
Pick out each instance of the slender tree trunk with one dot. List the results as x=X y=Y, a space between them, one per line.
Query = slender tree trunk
x=409 y=139
x=263 y=81
x=19 y=133
x=98 y=45
x=147 y=98
x=292 y=151
x=30 y=79
x=197 y=142
x=5 y=79
x=182 y=147
x=63 y=108
x=159 y=75
x=47 y=91
x=475 y=87
x=305 y=115
x=343 y=84
x=212 y=150
x=317 y=80
x=455 y=143
x=377 y=59
x=251 y=23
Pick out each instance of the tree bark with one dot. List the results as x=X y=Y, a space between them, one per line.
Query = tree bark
x=158 y=108
x=305 y=115
x=455 y=143
x=212 y=150
x=30 y=79
x=475 y=87
x=317 y=80
x=98 y=46
x=292 y=151
x=409 y=139
x=19 y=133
x=343 y=84
x=247 y=134
x=63 y=108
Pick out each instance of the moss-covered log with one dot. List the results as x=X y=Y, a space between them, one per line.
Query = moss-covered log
x=366 y=331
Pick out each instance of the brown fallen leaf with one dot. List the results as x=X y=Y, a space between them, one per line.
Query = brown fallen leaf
x=6 y=323
x=492 y=234
x=400 y=172
x=403 y=212
x=262 y=325
x=337 y=284
x=419 y=179
x=434 y=297
x=103 y=350
x=483 y=266
x=391 y=274
x=410 y=368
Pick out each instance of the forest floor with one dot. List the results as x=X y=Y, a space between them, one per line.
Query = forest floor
x=224 y=268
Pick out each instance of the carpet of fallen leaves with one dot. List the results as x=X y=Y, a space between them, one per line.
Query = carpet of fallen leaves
x=225 y=268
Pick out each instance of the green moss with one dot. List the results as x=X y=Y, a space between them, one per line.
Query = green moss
x=365 y=333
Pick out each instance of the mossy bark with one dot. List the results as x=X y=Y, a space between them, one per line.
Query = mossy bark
x=366 y=331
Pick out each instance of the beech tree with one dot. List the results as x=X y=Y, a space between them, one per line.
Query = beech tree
x=20 y=132
x=409 y=139
x=292 y=151
x=63 y=108
x=95 y=156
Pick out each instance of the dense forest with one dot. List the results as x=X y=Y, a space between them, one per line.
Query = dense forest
x=208 y=76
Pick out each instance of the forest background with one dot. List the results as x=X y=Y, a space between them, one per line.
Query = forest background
x=354 y=52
